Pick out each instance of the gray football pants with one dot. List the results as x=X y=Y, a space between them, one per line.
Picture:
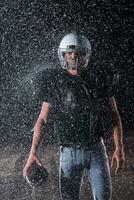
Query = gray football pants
x=72 y=163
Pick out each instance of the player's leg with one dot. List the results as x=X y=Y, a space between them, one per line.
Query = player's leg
x=70 y=173
x=99 y=172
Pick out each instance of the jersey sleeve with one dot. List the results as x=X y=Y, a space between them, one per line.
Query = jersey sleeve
x=108 y=85
x=112 y=85
x=42 y=87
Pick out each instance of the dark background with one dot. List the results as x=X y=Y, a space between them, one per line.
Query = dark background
x=30 y=33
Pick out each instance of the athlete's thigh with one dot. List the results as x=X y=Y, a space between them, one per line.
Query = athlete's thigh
x=99 y=173
x=70 y=173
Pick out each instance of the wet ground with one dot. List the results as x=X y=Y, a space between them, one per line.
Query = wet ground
x=14 y=187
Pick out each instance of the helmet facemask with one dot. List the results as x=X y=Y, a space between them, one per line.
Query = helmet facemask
x=80 y=61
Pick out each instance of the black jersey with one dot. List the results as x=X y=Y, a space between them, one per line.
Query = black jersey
x=77 y=102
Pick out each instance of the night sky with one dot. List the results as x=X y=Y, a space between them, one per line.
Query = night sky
x=30 y=33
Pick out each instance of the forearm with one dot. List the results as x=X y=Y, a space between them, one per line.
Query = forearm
x=37 y=136
x=118 y=134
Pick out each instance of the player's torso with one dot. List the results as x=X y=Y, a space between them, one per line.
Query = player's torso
x=72 y=108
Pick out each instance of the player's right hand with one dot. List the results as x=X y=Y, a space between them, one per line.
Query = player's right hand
x=32 y=158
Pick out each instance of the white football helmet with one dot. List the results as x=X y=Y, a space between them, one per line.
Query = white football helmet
x=74 y=42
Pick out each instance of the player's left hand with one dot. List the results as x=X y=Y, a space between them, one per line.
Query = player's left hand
x=118 y=158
